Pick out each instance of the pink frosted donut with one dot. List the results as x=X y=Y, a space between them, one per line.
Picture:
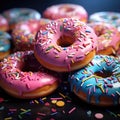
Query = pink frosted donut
x=23 y=77
x=108 y=37
x=65 y=45
x=16 y=15
x=24 y=34
x=3 y=24
x=66 y=11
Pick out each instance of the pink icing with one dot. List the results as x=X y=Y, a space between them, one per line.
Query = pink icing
x=83 y=37
x=66 y=10
x=24 y=33
x=107 y=34
x=32 y=77
x=3 y=22
x=29 y=26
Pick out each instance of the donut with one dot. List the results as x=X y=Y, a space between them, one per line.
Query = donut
x=108 y=38
x=5 y=44
x=98 y=83
x=66 y=11
x=65 y=44
x=23 y=77
x=3 y=24
x=24 y=34
x=16 y=15
x=106 y=16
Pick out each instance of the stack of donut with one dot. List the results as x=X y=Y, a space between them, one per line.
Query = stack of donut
x=64 y=40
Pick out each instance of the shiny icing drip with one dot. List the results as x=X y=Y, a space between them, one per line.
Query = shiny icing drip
x=4 y=41
x=93 y=85
x=23 y=72
x=83 y=37
x=16 y=15
x=107 y=35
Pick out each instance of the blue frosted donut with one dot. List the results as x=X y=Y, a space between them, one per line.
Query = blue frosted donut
x=16 y=15
x=5 y=44
x=99 y=82
x=106 y=16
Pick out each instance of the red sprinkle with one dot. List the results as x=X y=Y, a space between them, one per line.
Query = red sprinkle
x=98 y=115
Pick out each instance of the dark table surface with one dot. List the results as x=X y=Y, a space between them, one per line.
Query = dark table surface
x=43 y=108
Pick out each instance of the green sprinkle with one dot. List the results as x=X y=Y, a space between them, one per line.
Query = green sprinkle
x=61 y=28
x=25 y=111
x=50 y=47
x=101 y=87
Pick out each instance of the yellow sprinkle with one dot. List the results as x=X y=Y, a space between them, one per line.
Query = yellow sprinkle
x=72 y=61
x=22 y=109
x=57 y=56
x=44 y=98
x=53 y=101
x=101 y=88
x=60 y=103
x=61 y=95
x=58 y=49
x=8 y=118
x=87 y=78
x=31 y=73
x=86 y=53
x=36 y=101
x=113 y=51
x=118 y=115
x=85 y=72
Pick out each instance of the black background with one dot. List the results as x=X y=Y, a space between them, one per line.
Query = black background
x=8 y=103
x=90 y=5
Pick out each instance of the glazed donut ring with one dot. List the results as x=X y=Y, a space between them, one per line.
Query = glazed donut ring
x=66 y=11
x=65 y=45
x=23 y=77
x=16 y=15
x=3 y=24
x=108 y=38
x=5 y=44
x=99 y=82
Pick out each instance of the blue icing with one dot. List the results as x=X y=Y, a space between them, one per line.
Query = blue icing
x=4 y=41
x=84 y=79
x=22 y=14
x=109 y=17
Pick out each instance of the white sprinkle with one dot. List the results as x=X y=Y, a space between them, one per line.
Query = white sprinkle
x=116 y=69
x=82 y=84
x=118 y=93
x=89 y=85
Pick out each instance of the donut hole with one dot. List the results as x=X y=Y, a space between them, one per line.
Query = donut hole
x=66 y=9
x=65 y=41
x=24 y=14
x=103 y=74
x=30 y=64
x=99 y=31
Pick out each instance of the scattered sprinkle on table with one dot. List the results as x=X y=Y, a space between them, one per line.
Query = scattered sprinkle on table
x=99 y=115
